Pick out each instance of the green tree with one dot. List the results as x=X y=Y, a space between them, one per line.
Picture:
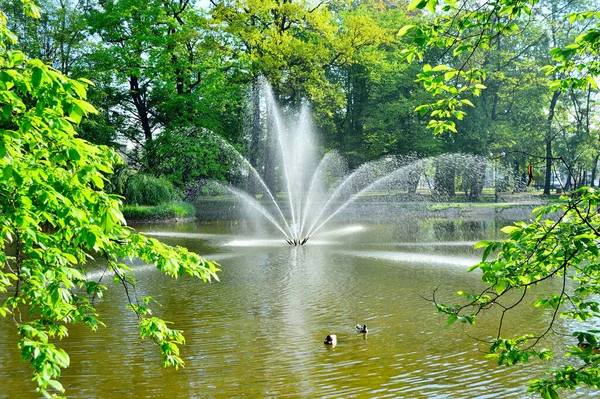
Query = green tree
x=55 y=216
x=560 y=242
x=380 y=93
x=59 y=38
x=162 y=68
x=466 y=35
x=301 y=48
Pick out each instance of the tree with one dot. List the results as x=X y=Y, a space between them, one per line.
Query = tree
x=560 y=242
x=465 y=34
x=162 y=68
x=55 y=216
x=380 y=93
x=301 y=49
x=57 y=37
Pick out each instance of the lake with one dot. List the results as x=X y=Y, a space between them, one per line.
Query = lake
x=259 y=331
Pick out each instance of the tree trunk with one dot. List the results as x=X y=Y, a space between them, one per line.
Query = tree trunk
x=549 y=138
x=139 y=101
x=356 y=98
x=594 y=170
x=520 y=178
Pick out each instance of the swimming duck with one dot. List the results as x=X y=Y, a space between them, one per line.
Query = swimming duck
x=331 y=339
x=362 y=329
x=585 y=345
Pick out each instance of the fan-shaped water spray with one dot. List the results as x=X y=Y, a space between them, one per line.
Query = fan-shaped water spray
x=314 y=191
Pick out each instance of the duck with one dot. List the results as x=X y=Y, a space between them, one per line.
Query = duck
x=362 y=329
x=331 y=339
x=585 y=345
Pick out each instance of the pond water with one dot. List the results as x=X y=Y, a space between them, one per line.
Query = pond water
x=259 y=332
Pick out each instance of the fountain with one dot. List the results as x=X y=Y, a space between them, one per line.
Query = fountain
x=315 y=191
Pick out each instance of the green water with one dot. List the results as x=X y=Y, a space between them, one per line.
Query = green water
x=259 y=332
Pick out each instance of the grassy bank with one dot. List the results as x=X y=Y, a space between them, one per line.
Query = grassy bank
x=179 y=210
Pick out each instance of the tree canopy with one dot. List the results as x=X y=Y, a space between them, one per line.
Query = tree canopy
x=56 y=217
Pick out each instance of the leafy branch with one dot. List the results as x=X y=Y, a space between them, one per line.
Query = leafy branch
x=560 y=241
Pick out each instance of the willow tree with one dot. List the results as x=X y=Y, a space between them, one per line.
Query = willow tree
x=55 y=217
x=560 y=241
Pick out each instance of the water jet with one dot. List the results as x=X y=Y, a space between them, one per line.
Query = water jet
x=314 y=189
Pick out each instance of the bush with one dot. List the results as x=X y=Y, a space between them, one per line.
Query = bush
x=189 y=154
x=200 y=188
x=143 y=189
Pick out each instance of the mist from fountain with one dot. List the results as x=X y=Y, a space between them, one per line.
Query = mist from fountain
x=318 y=190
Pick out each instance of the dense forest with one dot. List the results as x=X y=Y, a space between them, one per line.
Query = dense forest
x=170 y=75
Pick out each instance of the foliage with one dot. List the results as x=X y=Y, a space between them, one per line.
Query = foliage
x=377 y=117
x=159 y=212
x=461 y=31
x=561 y=243
x=159 y=63
x=304 y=50
x=561 y=240
x=287 y=42
x=143 y=189
x=55 y=216
x=465 y=32
x=188 y=154
x=162 y=67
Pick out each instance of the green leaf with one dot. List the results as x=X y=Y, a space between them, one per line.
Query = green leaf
x=486 y=253
x=79 y=89
x=509 y=229
x=76 y=113
x=85 y=106
x=56 y=385
x=431 y=4
x=439 y=68
x=98 y=181
x=70 y=258
x=7 y=172
x=417 y=4
x=87 y=81
x=73 y=154
x=451 y=320
x=592 y=81
x=17 y=178
x=481 y=244
x=500 y=286
x=7 y=110
x=36 y=77
x=405 y=29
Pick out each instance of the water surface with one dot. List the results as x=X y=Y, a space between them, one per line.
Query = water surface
x=259 y=332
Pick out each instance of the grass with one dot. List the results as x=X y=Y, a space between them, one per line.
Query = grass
x=159 y=212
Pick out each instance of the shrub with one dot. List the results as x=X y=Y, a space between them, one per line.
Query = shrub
x=143 y=189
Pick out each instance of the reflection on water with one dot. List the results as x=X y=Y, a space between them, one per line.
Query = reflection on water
x=414 y=258
x=260 y=331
